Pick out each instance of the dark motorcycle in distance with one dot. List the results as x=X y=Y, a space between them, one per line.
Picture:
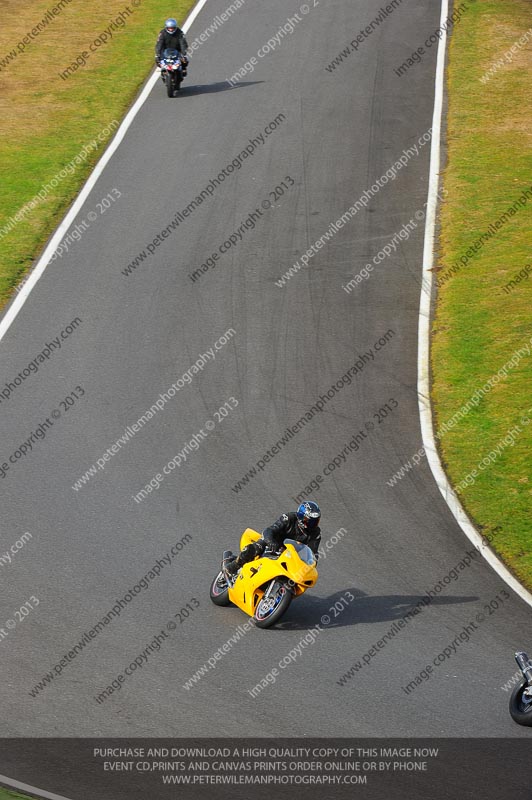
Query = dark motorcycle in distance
x=521 y=699
x=171 y=66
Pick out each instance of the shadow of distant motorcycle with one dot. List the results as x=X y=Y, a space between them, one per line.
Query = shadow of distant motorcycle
x=213 y=88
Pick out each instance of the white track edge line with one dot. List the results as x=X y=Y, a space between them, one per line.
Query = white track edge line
x=423 y=372
x=45 y=259
x=32 y=789
x=72 y=213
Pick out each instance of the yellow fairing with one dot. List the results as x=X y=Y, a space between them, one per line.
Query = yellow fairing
x=247 y=591
x=247 y=537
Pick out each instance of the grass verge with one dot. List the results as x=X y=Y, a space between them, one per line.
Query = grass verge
x=46 y=120
x=483 y=313
x=6 y=795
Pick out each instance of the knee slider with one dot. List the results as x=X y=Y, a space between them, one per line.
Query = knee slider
x=253 y=550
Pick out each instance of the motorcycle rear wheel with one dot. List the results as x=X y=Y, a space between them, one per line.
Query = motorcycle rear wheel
x=270 y=611
x=220 y=591
x=520 y=711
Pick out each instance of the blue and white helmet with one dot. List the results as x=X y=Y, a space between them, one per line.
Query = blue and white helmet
x=308 y=516
x=171 y=25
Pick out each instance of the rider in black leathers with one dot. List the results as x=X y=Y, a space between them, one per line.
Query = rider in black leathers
x=301 y=525
x=171 y=37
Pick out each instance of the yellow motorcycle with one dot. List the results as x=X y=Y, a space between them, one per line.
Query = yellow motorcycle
x=265 y=587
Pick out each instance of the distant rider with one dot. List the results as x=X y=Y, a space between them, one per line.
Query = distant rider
x=171 y=37
x=301 y=525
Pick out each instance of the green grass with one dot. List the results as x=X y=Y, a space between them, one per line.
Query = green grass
x=45 y=121
x=5 y=795
x=477 y=324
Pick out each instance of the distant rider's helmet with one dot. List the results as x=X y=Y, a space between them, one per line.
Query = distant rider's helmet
x=308 y=516
x=171 y=25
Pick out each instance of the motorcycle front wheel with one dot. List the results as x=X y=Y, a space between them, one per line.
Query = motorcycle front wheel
x=220 y=590
x=170 y=84
x=270 y=609
x=521 y=710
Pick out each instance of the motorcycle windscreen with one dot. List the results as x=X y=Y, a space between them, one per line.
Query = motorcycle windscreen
x=170 y=53
x=304 y=552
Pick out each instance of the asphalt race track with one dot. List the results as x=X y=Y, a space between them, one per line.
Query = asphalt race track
x=331 y=135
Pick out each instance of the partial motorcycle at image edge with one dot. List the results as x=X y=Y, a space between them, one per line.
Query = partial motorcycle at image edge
x=171 y=66
x=521 y=699
x=265 y=587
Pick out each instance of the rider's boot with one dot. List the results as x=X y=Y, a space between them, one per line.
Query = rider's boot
x=231 y=565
